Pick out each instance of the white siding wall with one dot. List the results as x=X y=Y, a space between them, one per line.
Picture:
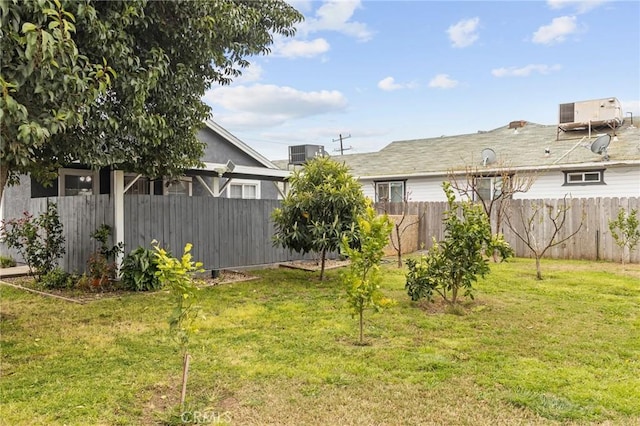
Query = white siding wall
x=619 y=182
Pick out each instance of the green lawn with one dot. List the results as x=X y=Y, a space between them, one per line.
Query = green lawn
x=281 y=350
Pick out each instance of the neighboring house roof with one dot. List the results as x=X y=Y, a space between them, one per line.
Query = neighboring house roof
x=224 y=133
x=521 y=148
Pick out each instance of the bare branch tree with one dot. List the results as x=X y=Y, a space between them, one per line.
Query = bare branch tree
x=504 y=183
x=526 y=228
x=399 y=230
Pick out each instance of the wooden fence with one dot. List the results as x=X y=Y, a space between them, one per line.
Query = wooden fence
x=592 y=242
x=228 y=233
x=225 y=233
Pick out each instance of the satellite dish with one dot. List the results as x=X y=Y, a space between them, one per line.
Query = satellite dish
x=599 y=146
x=488 y=156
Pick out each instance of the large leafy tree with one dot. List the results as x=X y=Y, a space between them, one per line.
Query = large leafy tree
x=322 y=207
x=121 y=83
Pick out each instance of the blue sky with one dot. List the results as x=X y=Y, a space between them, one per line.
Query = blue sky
x=383 y=71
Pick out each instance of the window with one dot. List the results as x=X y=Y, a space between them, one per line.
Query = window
x=390 y=191
x=141 y=186
x=487 y=188
x=78 y=182
x=584 y=177
x=241 y=189
x=180 y=186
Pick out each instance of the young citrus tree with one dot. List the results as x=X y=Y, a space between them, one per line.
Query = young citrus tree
x=321 y=207
x=625 y=231
x=455 y=263
x=177 y=276
x=362 y=279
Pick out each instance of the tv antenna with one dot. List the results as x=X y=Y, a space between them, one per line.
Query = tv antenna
x=342 y=150
x=488 y=156
x=600 y=145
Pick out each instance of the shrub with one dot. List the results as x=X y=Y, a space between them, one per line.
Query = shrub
x=57 y=279
x=625 y=229
x=7 y=262
x=139 y=271
x=38 y=240
x=455 y=263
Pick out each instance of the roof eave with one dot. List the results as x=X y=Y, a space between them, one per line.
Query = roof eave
x=565 y=166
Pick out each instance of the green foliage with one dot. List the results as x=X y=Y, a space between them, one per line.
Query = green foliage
x=7 y=262
x=102 y=235
x=139 y=270
x=455 y=263
x=362 y=279
x=625 y=230
x=177 y=275
x=57 y=279
x=101 y=264
x=38 y=240
x=98 y=82
x=320 y=209
x=46 y=81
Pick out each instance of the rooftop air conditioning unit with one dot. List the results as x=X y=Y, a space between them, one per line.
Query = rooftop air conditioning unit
x=594 y=113
x=299 y=154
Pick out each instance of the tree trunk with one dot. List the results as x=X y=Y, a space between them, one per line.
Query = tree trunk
x=4 y=177
x=538 y=270
x=361 y=326
x=323 y=255
x=399 y=245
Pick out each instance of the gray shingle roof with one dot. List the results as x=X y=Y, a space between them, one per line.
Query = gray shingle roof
x=521 y=149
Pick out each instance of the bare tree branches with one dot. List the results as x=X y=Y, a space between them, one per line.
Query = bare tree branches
x=493 y=188
x=527 y=228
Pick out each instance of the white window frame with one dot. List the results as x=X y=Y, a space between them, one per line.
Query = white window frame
x=495 y=187
x=166 y=183
x=133 y=175
x=579 y=177
x=388 y=184
x=63 y=173
x=243 y=183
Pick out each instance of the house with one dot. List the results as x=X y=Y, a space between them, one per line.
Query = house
x=232 y=169
x=579 y=159
x=173 y=212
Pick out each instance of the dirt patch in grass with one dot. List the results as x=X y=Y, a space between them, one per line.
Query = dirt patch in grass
x=314 y=265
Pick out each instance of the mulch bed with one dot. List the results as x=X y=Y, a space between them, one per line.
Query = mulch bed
x=84 y=296
x=314 y=265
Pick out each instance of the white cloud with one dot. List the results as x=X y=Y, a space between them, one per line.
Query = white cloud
x=335 y=15
x=556 y=31
x=443 y=81
x=525 y=71
x=302 y=48
x=271 y=105
x=581 y=6
x=388 y=84
x=250 y=74
x=464 y=33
